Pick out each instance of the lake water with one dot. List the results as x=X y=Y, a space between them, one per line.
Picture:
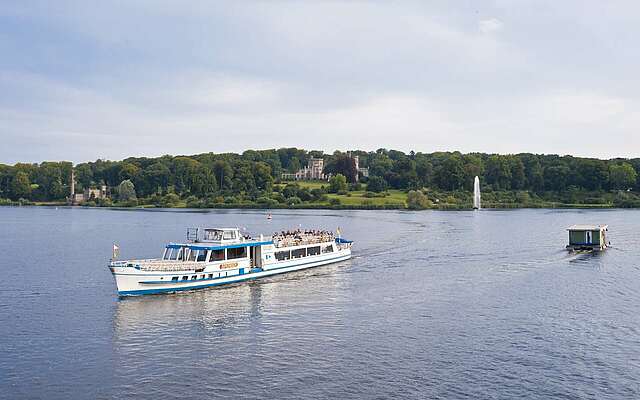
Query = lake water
x=433 y=305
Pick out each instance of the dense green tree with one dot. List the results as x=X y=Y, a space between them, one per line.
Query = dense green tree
x=342 y=164
x=154 y=178
x=53 y=180
x=555 y=177
x=416 y=200
x=591 y=174
x=403 y=174
x=450 y=174
x=380 y=164
x=518 y=178
x=424 y=170
x=126 y=191
x=84 y=175
x=338 y=184
x=128 y=171
x=473 y=166
x=292 y=159
x=290 y=190
x=190 y=176
x=622 y=176
x=533 y=172
x=6 y=178
x=20 y=187
x=263 y=177
x=376 y=184
x=318 y=194
x=243 y=178
x=224 y=174
x=498 y=172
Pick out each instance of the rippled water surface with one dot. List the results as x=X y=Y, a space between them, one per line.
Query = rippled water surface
x=433 y=305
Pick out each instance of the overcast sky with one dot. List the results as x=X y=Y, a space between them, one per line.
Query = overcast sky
x=88 y=79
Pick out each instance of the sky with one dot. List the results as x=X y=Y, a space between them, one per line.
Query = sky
x=81 y=80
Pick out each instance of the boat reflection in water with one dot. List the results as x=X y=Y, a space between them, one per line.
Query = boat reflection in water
x=179 y=321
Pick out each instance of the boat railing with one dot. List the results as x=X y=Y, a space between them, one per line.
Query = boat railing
x=291 y=241
x=159 y=265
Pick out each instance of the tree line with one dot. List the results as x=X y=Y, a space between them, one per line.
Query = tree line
x=254 y=174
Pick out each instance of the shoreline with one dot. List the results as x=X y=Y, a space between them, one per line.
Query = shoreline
x=498 y=207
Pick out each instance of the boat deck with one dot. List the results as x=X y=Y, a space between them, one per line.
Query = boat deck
x=300 y=238
x=161 y=265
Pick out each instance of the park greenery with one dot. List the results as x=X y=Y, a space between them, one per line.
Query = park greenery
x=396 y=180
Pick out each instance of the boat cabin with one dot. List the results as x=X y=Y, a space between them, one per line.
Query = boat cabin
x=215 y=235
x=221 y=235
x=587 y=237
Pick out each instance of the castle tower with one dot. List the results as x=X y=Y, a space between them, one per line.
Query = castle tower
x=73 y=183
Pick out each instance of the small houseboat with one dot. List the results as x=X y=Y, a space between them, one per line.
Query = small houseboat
x=587 y=237
x=218 y=256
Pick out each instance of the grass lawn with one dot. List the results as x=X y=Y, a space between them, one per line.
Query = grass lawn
x=308 y=184
x=357 y=198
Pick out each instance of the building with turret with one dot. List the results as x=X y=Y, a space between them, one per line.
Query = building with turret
x=87 y=194
x=312 y=172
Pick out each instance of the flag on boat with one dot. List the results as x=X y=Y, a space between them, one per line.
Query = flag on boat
x=116 y=251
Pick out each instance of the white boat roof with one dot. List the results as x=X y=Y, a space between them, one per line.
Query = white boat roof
x=586 y=227
x=220 y=245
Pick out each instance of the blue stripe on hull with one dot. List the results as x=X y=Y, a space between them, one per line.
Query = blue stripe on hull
x=247 y=277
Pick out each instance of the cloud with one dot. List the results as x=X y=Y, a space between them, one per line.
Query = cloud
x=491 y=25
x=148 y=77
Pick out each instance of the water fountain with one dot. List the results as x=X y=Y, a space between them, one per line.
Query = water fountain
x=476 y=193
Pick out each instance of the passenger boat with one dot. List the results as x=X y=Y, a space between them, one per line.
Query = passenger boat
x=218 y=256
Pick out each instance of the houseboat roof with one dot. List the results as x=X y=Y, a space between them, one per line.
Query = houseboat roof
x=586 y=227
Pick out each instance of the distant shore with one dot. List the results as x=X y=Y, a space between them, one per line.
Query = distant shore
x=324 y=206
x=291 y=178
x=319 y=195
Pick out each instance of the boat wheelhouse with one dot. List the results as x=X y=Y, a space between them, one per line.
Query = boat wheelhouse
x=587 y=237
x=218 y=256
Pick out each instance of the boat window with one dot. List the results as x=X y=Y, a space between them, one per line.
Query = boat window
x=298 y=253
x=216 y=255
x=175 y=278
x=283 y=255
x=185 y=278
x=180 y=256
x=210 y=276
x=202 y=255
x=327 y=249
x=229 y=235
x=192 y=255
x=238 y=252
x=194 y=277
x=312 y=251
x=212 y=234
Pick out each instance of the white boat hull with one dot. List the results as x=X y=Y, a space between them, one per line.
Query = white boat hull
x=134 y=282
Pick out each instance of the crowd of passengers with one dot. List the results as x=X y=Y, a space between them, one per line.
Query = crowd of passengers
x=300 y=237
